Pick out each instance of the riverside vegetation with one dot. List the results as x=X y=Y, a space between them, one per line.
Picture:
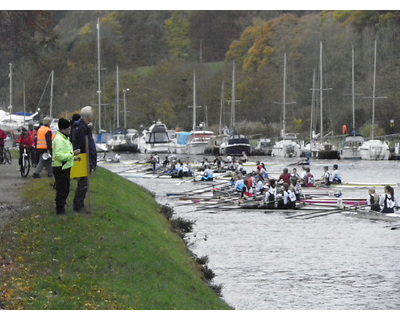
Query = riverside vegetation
x=128 y=254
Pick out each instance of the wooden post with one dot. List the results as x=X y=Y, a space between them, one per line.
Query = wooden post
x=88 y=176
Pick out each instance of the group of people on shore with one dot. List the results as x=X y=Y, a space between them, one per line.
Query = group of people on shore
x=57 y=152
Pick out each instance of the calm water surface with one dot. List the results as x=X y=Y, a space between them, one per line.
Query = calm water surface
x=267 y=262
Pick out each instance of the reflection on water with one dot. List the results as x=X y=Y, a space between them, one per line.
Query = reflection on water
x=267 y=262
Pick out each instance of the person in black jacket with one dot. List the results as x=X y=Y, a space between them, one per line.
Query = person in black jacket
x=82 y=138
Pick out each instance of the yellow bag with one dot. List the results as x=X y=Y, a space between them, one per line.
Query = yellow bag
x=81 y=167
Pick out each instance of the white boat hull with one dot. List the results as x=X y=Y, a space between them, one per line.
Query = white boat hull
x=286 y=149
x=196 y=148
x=153 y=147
x=374 y=150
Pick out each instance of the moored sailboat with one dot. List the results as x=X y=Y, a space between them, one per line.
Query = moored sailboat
x=287 y=146
x=374 y=149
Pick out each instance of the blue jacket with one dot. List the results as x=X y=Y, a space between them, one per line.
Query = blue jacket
x=79 y=131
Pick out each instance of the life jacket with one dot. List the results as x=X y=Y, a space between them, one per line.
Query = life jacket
x=374 y=204
x=41 y=137
x=309 y=180
x=250 y=182
x=388 y=205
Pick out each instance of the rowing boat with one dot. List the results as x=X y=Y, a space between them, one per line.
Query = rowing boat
x=373 y=215
x=338 y=201
x=370 y=184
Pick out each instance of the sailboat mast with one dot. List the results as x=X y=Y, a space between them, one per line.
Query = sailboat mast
x=352 y=87
x=51 y=93
x=312 y=107
x=233 y=97
x=284 y=96
x=320 y=88
x=194 y=100
x=373 y=97
x=23 y=97
x=10 y=75
x=221 y=107
x=117 y=97
x=98 y=72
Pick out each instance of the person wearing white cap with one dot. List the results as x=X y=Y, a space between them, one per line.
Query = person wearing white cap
x=81 y=133
x=44 y=146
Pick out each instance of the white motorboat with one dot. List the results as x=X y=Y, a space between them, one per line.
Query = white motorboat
x=17 y=120
x=198 y=141
x=179 y=142
x=101 y=141
x=264 y=147
x=351 y=147
x=116 y=140
x=374 y=150
x=154 y=139
x=286 y=147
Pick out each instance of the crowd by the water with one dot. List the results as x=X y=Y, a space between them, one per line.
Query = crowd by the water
x=284 y=192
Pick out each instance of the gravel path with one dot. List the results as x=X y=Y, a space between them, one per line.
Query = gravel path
x=10 y=186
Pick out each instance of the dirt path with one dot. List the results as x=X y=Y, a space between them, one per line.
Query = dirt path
x=10 y=187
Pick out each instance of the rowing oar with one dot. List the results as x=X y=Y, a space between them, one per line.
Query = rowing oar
x=309 y=213
x=323 y=212
x=335 y=211
x=219 y=204
x=206 y=188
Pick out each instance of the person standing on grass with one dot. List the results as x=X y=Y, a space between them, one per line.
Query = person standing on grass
x=44 y=146
x=81 y=134
x=63 y=161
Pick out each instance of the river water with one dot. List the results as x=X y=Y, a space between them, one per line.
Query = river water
x=266 y=262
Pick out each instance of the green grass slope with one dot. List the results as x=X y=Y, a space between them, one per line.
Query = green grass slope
x=122 y=256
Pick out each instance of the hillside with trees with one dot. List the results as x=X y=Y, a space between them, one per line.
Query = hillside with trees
x=157 y=52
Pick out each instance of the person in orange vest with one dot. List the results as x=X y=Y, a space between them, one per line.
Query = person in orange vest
x=44 y=145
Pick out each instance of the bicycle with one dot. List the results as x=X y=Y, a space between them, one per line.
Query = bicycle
x=5 y=156
x=25 y=164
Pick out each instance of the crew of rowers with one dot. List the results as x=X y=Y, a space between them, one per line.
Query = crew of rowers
x=286 y=190
x=281 y=193
x=385 y=203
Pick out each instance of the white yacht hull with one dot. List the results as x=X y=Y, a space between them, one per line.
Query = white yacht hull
x=286 y=149
x=374 y=150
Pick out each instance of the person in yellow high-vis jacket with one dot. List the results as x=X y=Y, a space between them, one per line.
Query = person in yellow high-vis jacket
x=63 y=161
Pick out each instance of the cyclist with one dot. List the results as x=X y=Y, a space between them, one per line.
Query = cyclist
x=32 y=132
x=25 y=140
x=3 y=136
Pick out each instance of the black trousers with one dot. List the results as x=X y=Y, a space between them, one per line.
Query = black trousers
x=62 y=179
x=80 y=194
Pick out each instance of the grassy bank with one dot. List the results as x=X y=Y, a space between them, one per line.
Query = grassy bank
x=122 y=256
